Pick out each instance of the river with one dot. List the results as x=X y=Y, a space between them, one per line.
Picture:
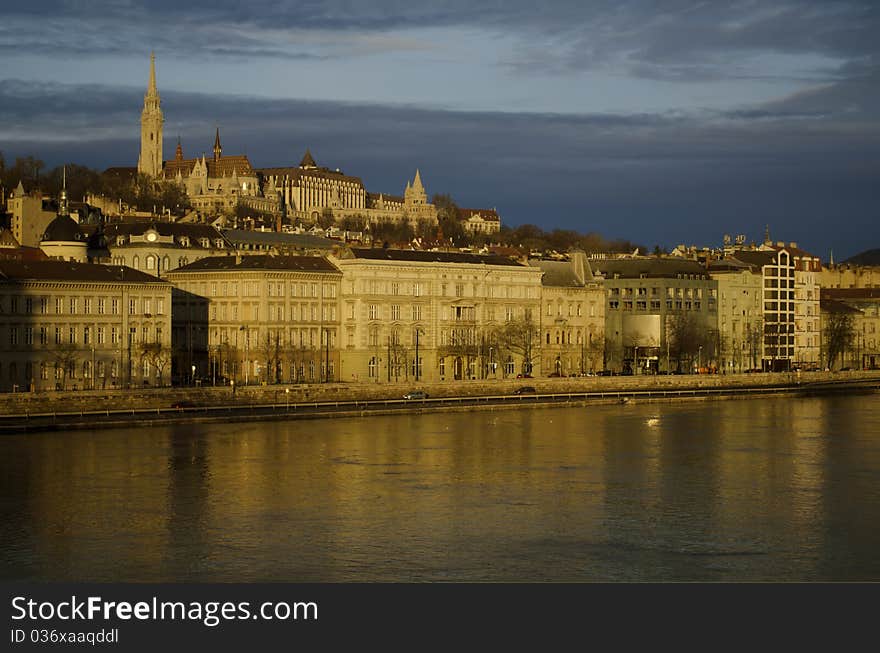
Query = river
x=774 y=489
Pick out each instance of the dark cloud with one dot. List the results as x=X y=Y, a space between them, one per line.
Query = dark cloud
x=650 y=178
x=680 y=40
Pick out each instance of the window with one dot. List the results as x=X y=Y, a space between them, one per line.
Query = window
x=395 y=311
x=72 y=334
x=73 y=305
x=131 y=306
x=416 y=313
x=59 y=305
x=374 y=311
x=44 y=336
x=57 y=335
x=87 y=334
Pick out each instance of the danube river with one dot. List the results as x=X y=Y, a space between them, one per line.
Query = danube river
x=782 y=489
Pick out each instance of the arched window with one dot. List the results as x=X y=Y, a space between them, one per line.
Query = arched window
x=151 y=262
x=136 y=262
x=166 y=263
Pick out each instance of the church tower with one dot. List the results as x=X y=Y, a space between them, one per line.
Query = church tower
x=150 y=159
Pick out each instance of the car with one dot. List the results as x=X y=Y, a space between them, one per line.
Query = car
x=416 y=394
x=524 y=376
x=183 y=404
x=525 y=390
x=555 y=375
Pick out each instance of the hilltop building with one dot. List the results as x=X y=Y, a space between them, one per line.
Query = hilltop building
x=305 y=193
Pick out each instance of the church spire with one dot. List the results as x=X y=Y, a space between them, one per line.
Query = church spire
x=151 y=87
x=150 y=160
x=217 y=148
x=178 y=153
x=417 y=182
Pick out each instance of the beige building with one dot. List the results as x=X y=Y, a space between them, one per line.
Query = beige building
x=257 y=319
x=572 y=318
x=863 y=304
x=661 y=315
x=850 y=276
x=740 y=314
x=310 y=191
x=480 y=221
x=79 y=325
x=156 y=246
x=30 y=214
x=436 y=316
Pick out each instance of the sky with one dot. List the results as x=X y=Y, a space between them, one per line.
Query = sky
x=661 y=123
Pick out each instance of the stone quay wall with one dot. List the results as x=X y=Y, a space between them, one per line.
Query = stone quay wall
x=22 y=403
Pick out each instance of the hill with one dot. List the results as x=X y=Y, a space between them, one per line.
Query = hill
x=868 y=257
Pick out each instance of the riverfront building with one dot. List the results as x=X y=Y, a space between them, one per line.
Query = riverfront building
x=863 y=305
x=660 y=314
x=437 y=316
x=740 y=314
x=572 y=319
x=67 y=325
x=257 y=319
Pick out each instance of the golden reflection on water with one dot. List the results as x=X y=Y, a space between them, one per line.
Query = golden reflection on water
x=770 y=489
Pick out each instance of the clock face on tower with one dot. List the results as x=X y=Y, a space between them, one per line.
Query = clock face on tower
x=151 y=236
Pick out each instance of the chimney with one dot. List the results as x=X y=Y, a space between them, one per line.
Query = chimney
x=793 y=245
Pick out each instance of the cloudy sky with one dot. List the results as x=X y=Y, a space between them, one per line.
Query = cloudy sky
x=661 y=125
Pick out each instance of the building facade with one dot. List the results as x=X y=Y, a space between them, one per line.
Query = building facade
x=862 y=351
x=740 y=314
x=257 y=319
x=572 y=317
x=437 y=316
x=70 y=325
x=661 y=314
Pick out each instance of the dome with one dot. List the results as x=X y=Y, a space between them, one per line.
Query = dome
x=63 y=229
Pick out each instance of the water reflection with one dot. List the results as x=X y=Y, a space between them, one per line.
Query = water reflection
x=775 y=489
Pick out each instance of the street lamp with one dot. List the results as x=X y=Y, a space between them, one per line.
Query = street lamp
x=287 y=397
x=417 y=354
x=247 y=357
x=699 y=359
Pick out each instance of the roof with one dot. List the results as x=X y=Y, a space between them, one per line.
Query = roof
x=259 y=262
x=650 y=267
x=195 y=231
x=307 y=160
x=223 y=167
x=298 y=173
x=755 y=257
x=489 y=215
x=63 y=229
x=7 y=240
x=420 y=256
x=13 y=271
x=729 y=265
x=557 y=273
x=373 y=199
x=274 y=238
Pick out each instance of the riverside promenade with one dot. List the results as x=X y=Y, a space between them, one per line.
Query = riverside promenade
x=26 y=411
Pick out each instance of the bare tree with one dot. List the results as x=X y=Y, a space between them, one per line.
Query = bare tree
x=65 y=356
x=839 y=335
x=686 y=338
x=521 y=338
x=158 y=356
